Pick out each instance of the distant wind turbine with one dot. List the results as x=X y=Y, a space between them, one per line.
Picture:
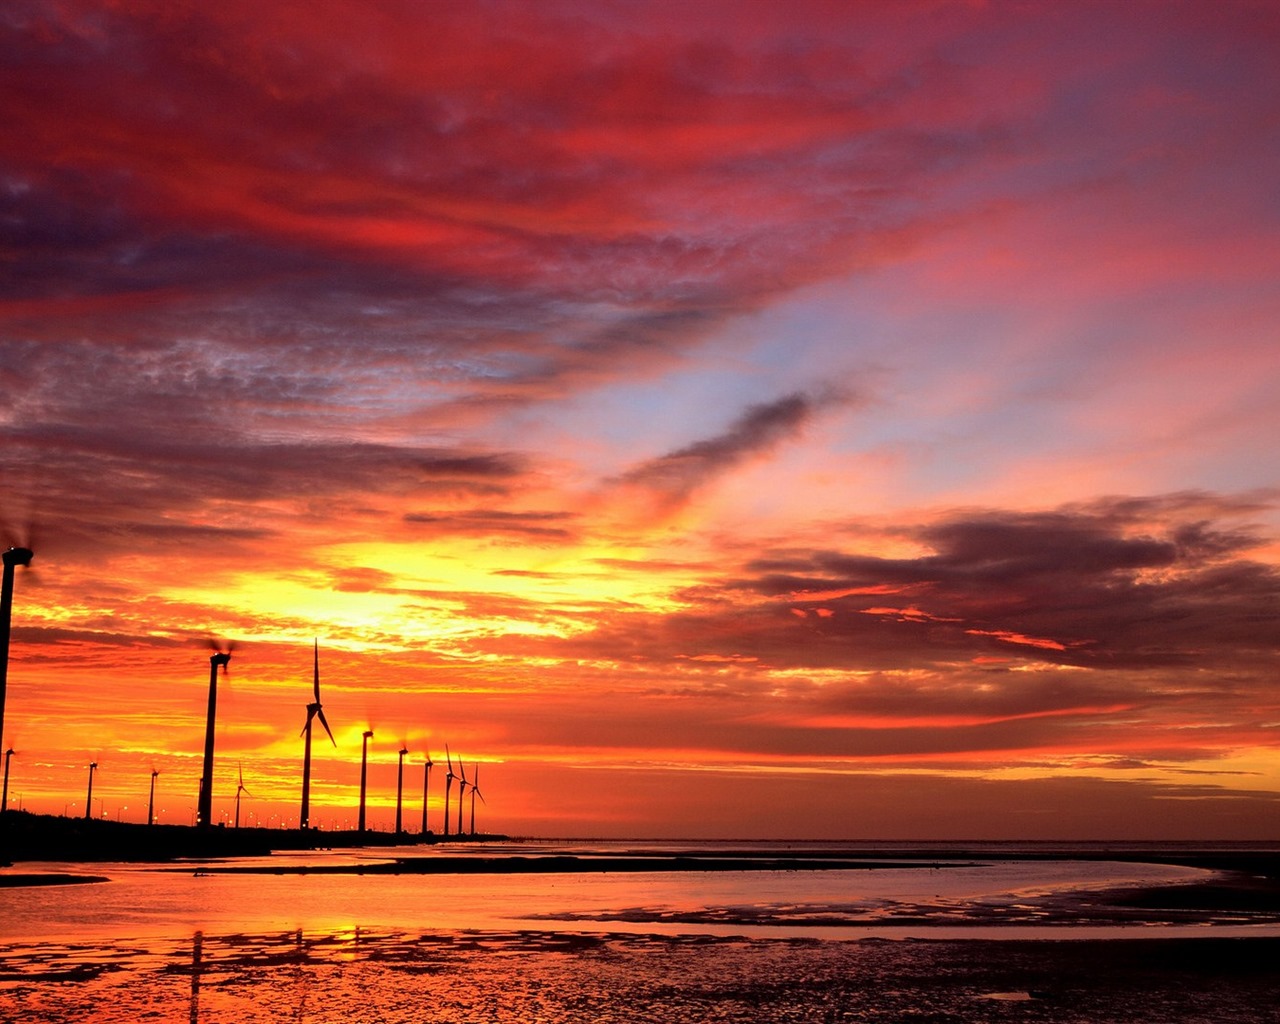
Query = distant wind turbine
x=314 y=711
x=204 y=807
x=240 y=789
x=475 y=792
x=364 y=774
x=4 y=799
x=400 y=788
x=151 y=800
x=88 y=800
x=448 y=784
x=14 y=557
x=426 y=786
x=462 y=786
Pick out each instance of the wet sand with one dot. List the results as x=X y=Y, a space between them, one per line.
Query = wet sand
x=518 y=977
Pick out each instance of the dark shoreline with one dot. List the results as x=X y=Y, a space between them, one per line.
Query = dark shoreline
x=45 y=837
x=1249 y=872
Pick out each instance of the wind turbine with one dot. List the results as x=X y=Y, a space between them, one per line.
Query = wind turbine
x=400 y=787
x=4 y=799
x=12 y=558
x=314 y=710
x=364 y=774
x=204 y=808
x=448 y=784
x=240 y=789
x=88 y=800
x=151 y=800
x=426 y=785
x=462 y=785
x=475 y=792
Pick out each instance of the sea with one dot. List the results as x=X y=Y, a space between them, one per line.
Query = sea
x=995 y=932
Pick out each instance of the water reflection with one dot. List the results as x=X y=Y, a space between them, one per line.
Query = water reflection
x=197 y=944
x=516 y=976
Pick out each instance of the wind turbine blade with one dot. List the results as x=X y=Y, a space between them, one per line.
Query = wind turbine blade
x=311 y=713
x=320 y=712
x=317 y=668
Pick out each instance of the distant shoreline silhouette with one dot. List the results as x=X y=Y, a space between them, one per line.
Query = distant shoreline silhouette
x=26 y=836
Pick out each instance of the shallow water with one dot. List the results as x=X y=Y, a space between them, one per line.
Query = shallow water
x=141 y=900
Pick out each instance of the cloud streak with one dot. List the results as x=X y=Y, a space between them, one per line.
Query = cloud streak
x=671 y=479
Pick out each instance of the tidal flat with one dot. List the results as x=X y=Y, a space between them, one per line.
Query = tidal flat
x=362 y=976
x=327 y=937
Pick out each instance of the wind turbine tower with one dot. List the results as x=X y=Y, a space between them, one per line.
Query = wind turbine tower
x=240 y=789
x=88 y=800
x=204 y=808
x=426 y=786
x=462 y=786
x=475 y=792
x=12 y=558
x=400 y=789
x=364 y=775
x=448 y=784
x=314 y=710
x=151 y=800
x=4 y=799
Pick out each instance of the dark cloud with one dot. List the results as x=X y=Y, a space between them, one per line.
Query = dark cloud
x=145 y=478
x=1124 y=584
x=534 y=526
x=673 y=477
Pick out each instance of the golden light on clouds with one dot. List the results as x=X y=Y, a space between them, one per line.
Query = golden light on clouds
x=679 y=414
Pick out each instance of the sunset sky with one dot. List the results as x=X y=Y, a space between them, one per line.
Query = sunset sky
x=783 y=420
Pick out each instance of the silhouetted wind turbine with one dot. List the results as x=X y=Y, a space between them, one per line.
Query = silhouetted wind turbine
x=12 y=558
x=426 y=786
x=364 y=774
x=88 y=800
x=448 y=784
x=151 y=800
x=314 y=710
x=240 y=789
x=475 y=792
x=204 y=807
x=462 y=786
x=4 y=799
x=400 y=788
